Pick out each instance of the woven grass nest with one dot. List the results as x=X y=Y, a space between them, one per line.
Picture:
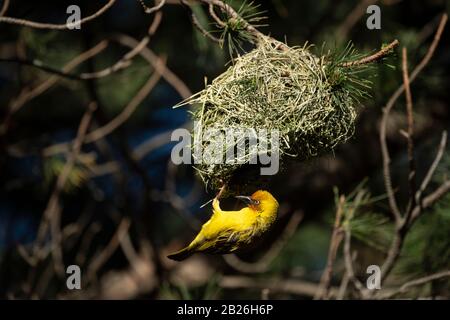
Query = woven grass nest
x=310 y=100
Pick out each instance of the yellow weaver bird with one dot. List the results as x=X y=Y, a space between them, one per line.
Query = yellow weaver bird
x=228 y=231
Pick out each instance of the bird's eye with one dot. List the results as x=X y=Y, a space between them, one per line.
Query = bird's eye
x=256 y=201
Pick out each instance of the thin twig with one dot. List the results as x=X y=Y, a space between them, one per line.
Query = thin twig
x=213 y=15
x=122 y=63
x=198 y=25
x=293 y=286
x=4 y=7
x=127 y=111
x=52 y=26
x=353 y=17
x=386 y=111
x=401 y=231
x=410 y=136
x=162 y=69
x=120 y=119
x=152 y=143
x=432 y=168
x=168 y=75
x=128 y=57
x=416 y=282
x=344 y=282
x=349 y=262
x=401 y=224
x=53 y=209
x=229 y=11
x=203 y=31
x=429 y=200
x=39 y=65
x=156 y=7
x=221 y=191
x=262 y=264
x=86 y=242
x=348 y=256
x=28 y=94
x=374 y=57
x=343 y=287
x=107 y=252
x=386 y=166
x=335 y=242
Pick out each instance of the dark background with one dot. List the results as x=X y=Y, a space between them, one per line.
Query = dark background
x=163 y=201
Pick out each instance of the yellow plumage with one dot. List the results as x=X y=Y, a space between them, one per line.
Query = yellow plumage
x=228 y=231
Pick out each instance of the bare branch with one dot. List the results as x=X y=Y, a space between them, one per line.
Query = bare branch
x=203 y=31
x=429 y=200
x=386 y=111
x=117 y=121
x=122 y=63
x=397 y=243
x=52 y=26
x=53 y=209
x=29 y=94
x=213 y=15
x=198 y=25
x=432 y=168
x=4 y=7
x=107 y=252
x=293 y=286
x=402 y=225
x=410 y=117
x=221 y=191
x=374 y=57
x=416 y=282
x=264 y=262
x=335 y=241
x=162 y=70
x=156 y=7
x=126 y=59
x=168 y=75
x=228 y=10
x=39 y=65
x=386 y=166
x=349 y=262
x=344 y=282
x=353 y=17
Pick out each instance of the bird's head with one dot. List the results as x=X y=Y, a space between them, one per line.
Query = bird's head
x=261 y=201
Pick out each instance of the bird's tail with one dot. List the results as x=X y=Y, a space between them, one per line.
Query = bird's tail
x=181 y=255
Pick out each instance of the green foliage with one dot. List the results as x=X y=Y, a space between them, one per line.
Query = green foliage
x=208 y=291
x=374 y=229
x=355 y=80
x=208 y=51
x=427 y=245
x=46 y=46
x=234 y=33
x=38 y=42
x=307 y=250
x=120 y=88
x=77 y=177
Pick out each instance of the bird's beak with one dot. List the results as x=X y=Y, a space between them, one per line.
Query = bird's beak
x=246 y=200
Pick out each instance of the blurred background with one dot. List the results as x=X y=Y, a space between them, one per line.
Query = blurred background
x=119 y=206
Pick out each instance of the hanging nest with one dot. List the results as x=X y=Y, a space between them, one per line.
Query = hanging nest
x=309 y=100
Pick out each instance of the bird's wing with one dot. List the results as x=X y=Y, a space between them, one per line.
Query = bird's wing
x=225 y=231
x=225 y=241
